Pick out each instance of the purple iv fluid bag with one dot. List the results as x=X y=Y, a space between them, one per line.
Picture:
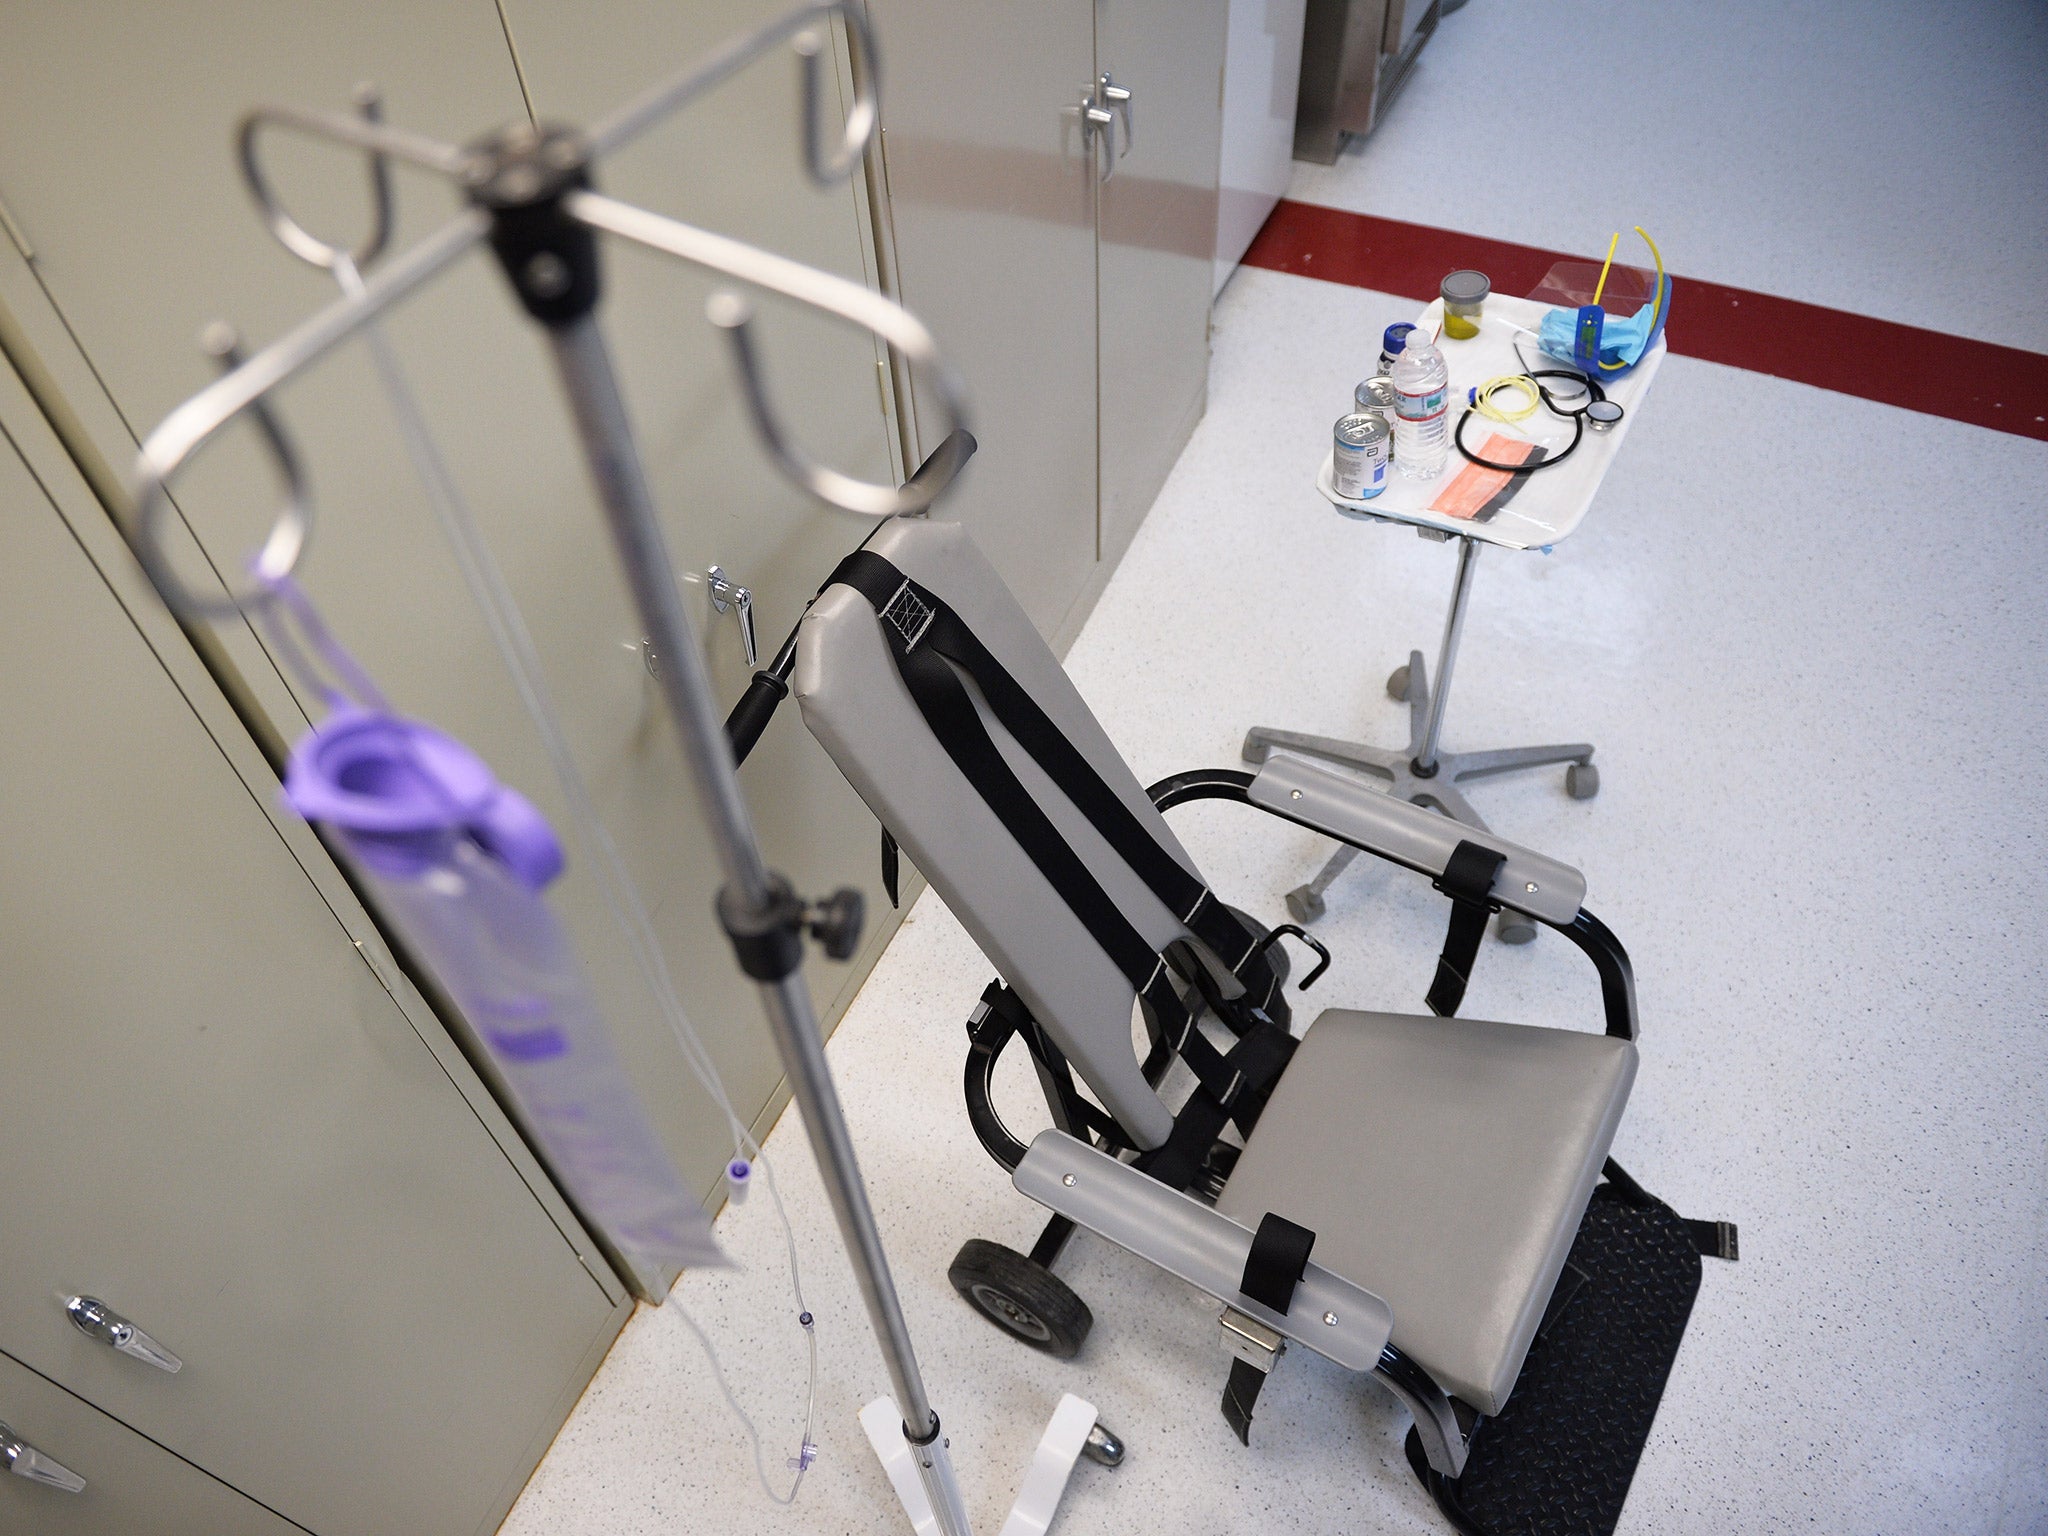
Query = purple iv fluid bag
x=460 y=862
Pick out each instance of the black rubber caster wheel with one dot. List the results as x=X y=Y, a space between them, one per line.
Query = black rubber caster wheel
x=1022 y=1297
x=1582 y=781
x=1397 y=685
x=1515 y=928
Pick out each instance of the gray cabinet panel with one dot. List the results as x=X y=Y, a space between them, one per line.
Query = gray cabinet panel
x=1158 y=233
x=992 y=201
x=216 y=1119
x=131 y=1484
x=115 y=155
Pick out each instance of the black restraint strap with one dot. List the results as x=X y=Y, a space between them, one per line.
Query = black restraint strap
x=1713 y=1239
x=1273 y=1268
x=919 y=619
x=1468 y=880
x=924 y=636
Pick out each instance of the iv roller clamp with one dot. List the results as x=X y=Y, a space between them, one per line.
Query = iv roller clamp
x=531 y=198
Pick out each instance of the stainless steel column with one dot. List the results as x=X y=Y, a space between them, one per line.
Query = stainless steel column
x=584 y=364
x=1446 y=656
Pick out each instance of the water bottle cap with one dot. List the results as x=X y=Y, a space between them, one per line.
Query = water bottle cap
x=406 y=789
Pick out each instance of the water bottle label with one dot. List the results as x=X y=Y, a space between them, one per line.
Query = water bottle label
x=1419 y=407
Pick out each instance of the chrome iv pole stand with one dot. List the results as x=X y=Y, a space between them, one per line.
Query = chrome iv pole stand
x=531 y=198
x=1422 y=771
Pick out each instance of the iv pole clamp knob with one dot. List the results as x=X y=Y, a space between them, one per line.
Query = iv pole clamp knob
x=769 y=940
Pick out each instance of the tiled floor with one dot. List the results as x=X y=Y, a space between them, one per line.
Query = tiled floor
x=1809 y=635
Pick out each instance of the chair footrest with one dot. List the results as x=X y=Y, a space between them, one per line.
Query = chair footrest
x=1560 y=1455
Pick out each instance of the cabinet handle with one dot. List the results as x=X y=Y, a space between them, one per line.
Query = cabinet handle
x=24 y=1460
x=1118 y=100
x=727 y=594
x=96 y=1320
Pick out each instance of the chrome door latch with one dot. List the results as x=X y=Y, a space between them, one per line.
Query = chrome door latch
x=96 y=1320
x=1101 y=109
x=24 y=1460
x=727 y=594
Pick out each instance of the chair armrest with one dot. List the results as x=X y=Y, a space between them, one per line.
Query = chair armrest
x=1198 y=1243
x=1303 y=790
x=1299 y=790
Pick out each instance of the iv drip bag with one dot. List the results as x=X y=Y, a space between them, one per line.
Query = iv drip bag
x=461 y=862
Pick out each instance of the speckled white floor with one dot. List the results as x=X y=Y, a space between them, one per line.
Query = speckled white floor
x=1809 y=635
x=1885 y=159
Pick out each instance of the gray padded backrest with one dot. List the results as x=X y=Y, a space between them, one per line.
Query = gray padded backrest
x=856 y=704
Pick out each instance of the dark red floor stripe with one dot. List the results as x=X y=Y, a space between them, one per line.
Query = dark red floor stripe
x=2004 y=388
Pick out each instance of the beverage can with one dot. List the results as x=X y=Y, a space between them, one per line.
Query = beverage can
x=1375 y=397
x=1360 y=448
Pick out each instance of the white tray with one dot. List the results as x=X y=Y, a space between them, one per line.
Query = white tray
x=1551 y=502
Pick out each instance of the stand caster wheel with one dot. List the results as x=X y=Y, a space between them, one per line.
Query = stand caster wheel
x=1397 y=685
x=1305 y=905
x=1582 y=781
x=1022 y=1297
x=1103 y=1447
x=1516 y=929
x=1253 y=750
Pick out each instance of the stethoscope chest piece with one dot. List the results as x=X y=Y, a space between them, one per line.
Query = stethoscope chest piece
x=1603 y=415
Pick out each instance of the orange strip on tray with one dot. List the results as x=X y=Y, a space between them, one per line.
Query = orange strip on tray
x=1473 y=488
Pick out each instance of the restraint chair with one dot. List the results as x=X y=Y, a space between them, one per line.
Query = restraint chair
x=1399 y=1193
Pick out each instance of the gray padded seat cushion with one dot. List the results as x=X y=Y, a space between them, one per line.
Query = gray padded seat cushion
x=1444 y=1165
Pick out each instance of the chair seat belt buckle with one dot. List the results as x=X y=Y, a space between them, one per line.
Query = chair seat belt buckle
x=1251 y=1341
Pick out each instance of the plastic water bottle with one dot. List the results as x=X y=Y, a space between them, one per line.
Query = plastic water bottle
x=1422 y=433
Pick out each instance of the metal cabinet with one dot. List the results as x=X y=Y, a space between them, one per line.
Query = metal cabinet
x=991 y=202
x=116 y=163
x=217 y=1116
x=1064 y=264
x=132 y=1485
x=1157 y=244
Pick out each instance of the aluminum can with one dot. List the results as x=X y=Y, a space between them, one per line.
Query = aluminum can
x=1360 y=449
x=1375 y=397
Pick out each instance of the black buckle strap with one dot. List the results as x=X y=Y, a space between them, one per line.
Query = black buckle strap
x=1468 y=880
x=1272 y=1270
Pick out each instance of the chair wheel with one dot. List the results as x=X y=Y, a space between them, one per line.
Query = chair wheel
x=1253 y=750
x=1022 y=1297
x=1305 y=905
x=1582 y=781
x=1515 y=928
x=1397 y=685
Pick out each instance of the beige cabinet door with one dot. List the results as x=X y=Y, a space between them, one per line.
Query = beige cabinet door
x=217 y=1120
x=115 y=159
x=992 y=202
x=131 y=1484
x=1158 y=236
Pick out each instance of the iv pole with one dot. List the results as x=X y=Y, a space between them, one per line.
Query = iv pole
x=531 y=198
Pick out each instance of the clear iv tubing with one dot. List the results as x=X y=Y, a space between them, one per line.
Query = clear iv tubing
x=487 y=586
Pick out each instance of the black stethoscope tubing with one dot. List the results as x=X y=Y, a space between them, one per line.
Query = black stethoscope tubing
x=1594 y=393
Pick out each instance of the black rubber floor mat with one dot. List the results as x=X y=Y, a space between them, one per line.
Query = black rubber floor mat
x=1559 y=1458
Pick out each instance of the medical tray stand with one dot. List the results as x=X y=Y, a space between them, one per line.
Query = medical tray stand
x=531 y=198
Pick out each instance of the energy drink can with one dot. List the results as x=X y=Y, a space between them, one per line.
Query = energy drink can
x=1375 y=397
x=1359 y=452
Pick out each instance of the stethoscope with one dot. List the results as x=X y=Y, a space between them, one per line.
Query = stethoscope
x=1586 y=406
